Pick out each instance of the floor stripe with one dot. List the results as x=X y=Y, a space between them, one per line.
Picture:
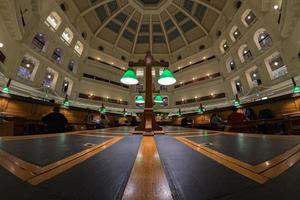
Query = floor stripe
x=147 y=179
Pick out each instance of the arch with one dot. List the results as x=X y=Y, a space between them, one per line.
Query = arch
x=244 y=53
x=230 y=64
x=275 y=66
x=40 y=42
x=262 y=39
x=223 y=46
x=234 y=33
x=253 y=77
x=248 y=17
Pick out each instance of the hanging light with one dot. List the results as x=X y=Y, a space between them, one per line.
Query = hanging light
x=66 y=102
x=6 y=89
x=179 y=112
x=166 y=78
x=237 y=102
x=102 y=109
x=201 y=109
x=124 y=112
x=158 y=99
x=139 y=99
x=129 y=77
x=296 y=88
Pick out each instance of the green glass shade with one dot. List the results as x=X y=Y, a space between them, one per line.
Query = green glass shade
x=166 y=78
x=296 y=89
x=6 y=90
x=139 y=99
x=102 y=109
x=129 y=77
x=237 y=103
x=179 y=113
x=66 y=103
x=158 y=99
x=201 y=110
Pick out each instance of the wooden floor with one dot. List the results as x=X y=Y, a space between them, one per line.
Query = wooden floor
x=150 y=174
x=147 y=179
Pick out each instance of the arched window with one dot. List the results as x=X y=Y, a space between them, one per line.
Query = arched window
x=230 y=64
x=67 y=86
x=57 y=56
x=67 y=35
x=253 y=77
x=78 y=48
x=50 y=78
x=224 y=46
x=245 y=53
x=262 y=39
x=235 y=34
x=236 y=85
x=248 y=17
x=39 y=42
x=53 y=21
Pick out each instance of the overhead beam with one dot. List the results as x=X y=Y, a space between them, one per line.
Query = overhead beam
x=208 y=6
x=136 y=35
x=191 y=17
x=165 y=34
x=124 y=27
x=175 y=23
x=94 y=7
x=108 y=20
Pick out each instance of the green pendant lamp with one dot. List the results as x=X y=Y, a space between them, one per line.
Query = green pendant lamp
x=129 y=77
x=296 y=88
x=237 y=102
x=201 y=109
x=102 y=109
x=179 y=112
x=139 y=99
x=158 y=99
x=166 y=78
x=6 y=89
x=66 y=102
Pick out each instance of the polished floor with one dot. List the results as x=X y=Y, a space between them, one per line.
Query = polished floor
x=182 y=164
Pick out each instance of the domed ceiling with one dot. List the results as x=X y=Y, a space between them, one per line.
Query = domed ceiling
x=161 y=26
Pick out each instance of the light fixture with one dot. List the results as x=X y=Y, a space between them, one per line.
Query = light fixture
x=201 y=109
x=139 y=99
x=27 y=65
x=129 y=77
x=276 y=7
x=249 y=17
x=49 y=76
x=124 y=112
x=6 y=89
x=276 y=63
x=237 y=102
x=296 y=88
x=66 y=102
x=254 y=75
x=179 y=113
x=158 y=99
x=1 y=45
x=166 y=78
x=102 y=109
x=236 y=33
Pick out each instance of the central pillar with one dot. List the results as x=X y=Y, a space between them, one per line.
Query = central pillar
x=148 y=123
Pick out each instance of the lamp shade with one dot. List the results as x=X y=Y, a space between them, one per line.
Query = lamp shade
x=166 y=78
x=102 y=109
x=6 y=90
x=158 y=99
x=139 y=99
x=129 y=77
x=296 y=89
x=201 y=110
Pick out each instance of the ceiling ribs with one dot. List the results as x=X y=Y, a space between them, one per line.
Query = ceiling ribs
x=108 y=20
x=94 y=7
x=165 y=34
x=137 y=34
x=208 y=6
x=124 y=27
x=174 y=22
x=191 y=17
